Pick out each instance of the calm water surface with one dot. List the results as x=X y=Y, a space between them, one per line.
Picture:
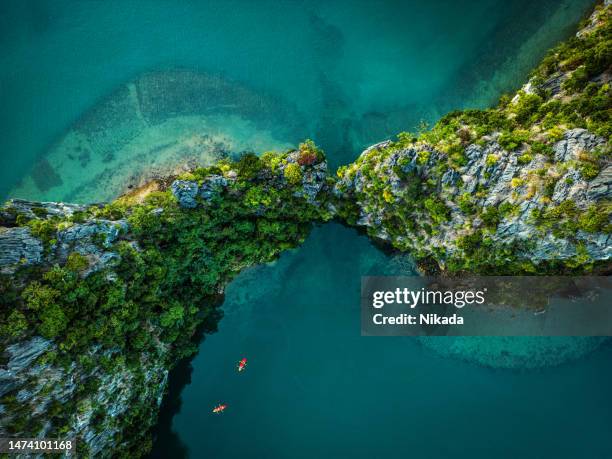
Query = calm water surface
x=314 y=387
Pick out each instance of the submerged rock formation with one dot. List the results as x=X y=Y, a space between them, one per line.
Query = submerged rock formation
x=161 y=123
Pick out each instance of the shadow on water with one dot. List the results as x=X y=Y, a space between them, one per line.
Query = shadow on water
x=166 y=442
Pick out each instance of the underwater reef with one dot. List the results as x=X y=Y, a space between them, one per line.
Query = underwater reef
x=98 y=302
x=161 y=123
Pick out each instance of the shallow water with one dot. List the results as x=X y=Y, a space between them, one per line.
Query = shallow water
x=347 y=74
x=355 y=72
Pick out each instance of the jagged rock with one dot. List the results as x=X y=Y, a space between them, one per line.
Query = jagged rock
x=80 y=237
x=569 y=186
x=18 y=246
x=549 y=247
x=185 y=192
x=313 y=180
x=494 y=181
x=22 y=354
x=211 y=186
x=599 y=246
x=450 y=177
x=601 y=186
x=378 y=146
x=108 y=228
x=20 y=357
x=574 y=141
x=554 y=82
x=32 y=209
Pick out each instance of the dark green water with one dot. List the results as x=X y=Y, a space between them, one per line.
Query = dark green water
x=354 y=73
x=314 y=387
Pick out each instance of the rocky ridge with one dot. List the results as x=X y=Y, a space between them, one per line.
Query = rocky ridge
x=82 y=358
x=504 y=190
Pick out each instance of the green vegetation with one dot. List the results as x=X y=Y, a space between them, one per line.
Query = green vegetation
x=172 y=267
x=565 y=92
x=565 y=219
x=293 y=174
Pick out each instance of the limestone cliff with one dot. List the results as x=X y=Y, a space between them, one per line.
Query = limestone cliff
x=524 y=187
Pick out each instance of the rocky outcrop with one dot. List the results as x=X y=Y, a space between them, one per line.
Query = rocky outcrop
x=313 y=177
x=526 y=184
x=98 y=302
x=91 y=239
x=576 y=141
x=18 y=247
x=20 y=357
x=185 y=193
x=490 y=178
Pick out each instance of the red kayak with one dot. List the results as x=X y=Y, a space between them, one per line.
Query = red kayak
x=219 y=408
x=242 y=364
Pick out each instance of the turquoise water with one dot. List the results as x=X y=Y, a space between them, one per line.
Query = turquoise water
x=357 y=71
x=314 y=388
x=347 y=74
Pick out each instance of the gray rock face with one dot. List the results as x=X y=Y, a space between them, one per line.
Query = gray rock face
x=212 y=186
x=185 y=192
x=601 y=186
x=450 y=177
x=554 y=82
x=570 y=186
x=20 y=357
x=80 y=237
x=33 y=209
x=574 y=141
x=313 y=180
x=18 y=246
x=491 y=177
x=109 y=229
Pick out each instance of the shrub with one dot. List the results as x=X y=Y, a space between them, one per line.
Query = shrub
x=309 y=153
x=248 y=165
x=595 y=219
x=76 y=262
x=526 y=106
x=555 y=134
x=588 y=169
x=423 y=157
x=438 y=211
x=15 y=325
x=53 y=321
x=492 y=160
x=388 y=196
x=577 y=80
x=38 y=296
x=540 y=148
x=512 y=140
x=293 y=173
x=490 y=217
x=466 y=204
